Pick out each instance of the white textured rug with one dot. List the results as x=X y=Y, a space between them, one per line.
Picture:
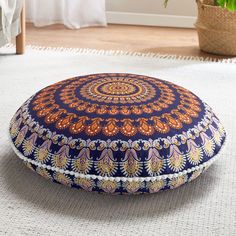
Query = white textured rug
x=31 y=205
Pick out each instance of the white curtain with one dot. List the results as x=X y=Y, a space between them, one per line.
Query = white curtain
x=9 y=20
x=72 y=13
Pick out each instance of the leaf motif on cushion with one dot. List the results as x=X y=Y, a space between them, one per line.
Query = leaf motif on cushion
x=111 y=128
x=108 y=186
x=133 y=186
x=82 y=162
x=155 y=163
x=61 y=158
x=172 y=122
x=144 y=127
x=208 y=145
x=54 y=116
x=29 y=144
x=178 y=181
x=63 y=179
x=176 y=160
x=95 y=127
x=64 y=123
x=106 y=165
x=21 y=135
x=156 y=186
x=15 y=127
x=216 y=135
x=131 y=166
x=79 y=126
x=86 y=184
x=128 y=129
x=43 y=112
x=194 y=154
x=160 y=126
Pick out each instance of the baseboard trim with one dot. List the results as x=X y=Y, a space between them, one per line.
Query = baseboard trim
x=131 y=18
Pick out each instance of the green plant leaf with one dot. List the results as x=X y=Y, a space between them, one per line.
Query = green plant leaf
x=229 y=4
x=222 y=3
x=232 y=5
x=165 y=3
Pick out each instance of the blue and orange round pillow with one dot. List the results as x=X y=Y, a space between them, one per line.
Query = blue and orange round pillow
x=117 y=133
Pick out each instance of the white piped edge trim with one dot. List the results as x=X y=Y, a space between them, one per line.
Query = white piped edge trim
x=117 y=179
x=127 y=53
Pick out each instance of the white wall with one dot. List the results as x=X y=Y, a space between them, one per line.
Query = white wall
x=180 y=13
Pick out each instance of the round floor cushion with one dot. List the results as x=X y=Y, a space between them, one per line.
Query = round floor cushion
x=117 y=133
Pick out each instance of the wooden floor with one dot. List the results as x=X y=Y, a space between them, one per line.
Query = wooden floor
x=119 y=37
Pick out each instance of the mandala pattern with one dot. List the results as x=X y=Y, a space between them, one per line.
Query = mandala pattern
x=115 y=104
x=117 y=133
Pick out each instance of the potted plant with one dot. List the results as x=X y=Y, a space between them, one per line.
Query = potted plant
x=216 y=26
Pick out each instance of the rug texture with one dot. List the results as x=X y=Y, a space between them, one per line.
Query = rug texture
x=31 y=205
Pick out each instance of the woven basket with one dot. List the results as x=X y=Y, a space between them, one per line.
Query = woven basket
x=216 y=28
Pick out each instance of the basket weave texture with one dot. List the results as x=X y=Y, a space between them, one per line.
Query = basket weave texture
x=216 y=28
